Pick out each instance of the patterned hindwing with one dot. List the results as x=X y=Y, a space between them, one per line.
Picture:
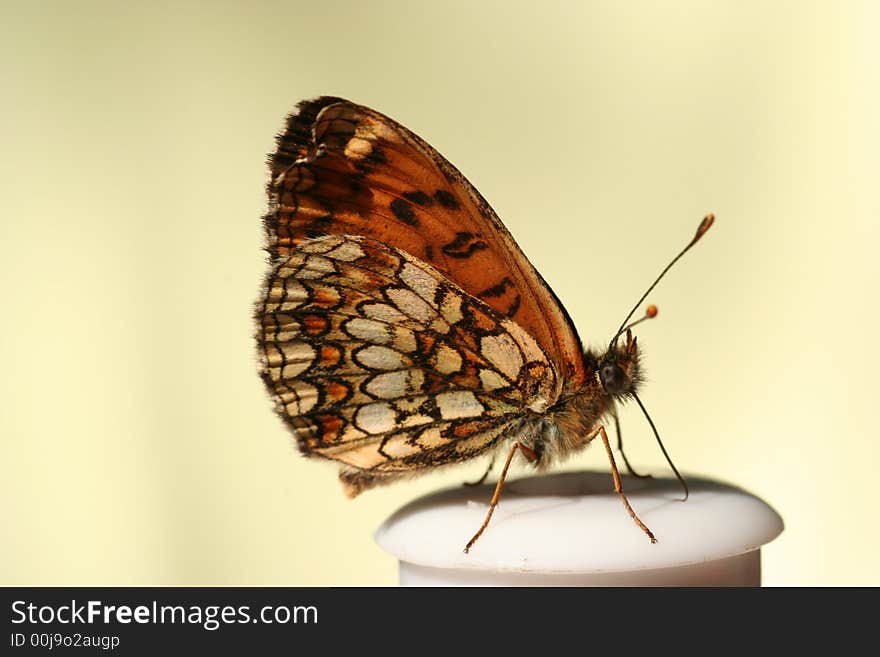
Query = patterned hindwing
x=378 y=361
x=345 y=169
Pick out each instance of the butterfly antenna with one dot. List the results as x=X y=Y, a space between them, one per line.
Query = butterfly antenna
x=650 y=313
x=662 y=448
x=705 y=224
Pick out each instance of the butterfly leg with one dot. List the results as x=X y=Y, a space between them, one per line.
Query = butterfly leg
x=530 y=454
x=618 y=488
x=483 y=478
x=622 y=453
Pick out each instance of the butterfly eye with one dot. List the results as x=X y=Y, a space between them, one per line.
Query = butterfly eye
x=613 y=378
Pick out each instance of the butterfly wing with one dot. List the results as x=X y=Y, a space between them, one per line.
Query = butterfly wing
x=378 y=361
x=342 y=168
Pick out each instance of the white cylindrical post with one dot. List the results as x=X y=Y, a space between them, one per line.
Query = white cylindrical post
x=571 y=529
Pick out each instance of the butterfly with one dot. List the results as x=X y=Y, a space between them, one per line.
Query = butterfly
x=400 y=328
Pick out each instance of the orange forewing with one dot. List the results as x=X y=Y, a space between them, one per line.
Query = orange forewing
x=342 y=168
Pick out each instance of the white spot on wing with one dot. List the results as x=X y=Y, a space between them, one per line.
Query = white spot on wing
x=293 y=370
x=447 y=360
x=419 y=281
x=458 y=404
x=381 y=358
x=347 y=252
x=289 y=289
x=286 y=330
x=320 y=244
x=301 y=399
x=369 y=330
x=527 y=343
x=411 y=304
x=404 y=339
x=295 y=291
x=398 y=447
x=503 y=353
x=451 y=308
x=283 y=336
x=375 y=418
x=491 y=380
x=315 y=266
x=392 y=385
x=358 y=148
x=296 y=356
x=384 y=313
x=431 y=437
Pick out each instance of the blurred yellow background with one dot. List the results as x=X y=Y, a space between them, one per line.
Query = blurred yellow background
x=138 y=445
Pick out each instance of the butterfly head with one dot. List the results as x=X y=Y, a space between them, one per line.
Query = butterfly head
x=618 y=368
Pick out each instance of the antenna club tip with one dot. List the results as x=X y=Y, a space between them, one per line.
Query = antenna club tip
x=705 y=225
x=651 y=311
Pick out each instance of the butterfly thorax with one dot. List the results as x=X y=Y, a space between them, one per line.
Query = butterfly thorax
x=568 y=426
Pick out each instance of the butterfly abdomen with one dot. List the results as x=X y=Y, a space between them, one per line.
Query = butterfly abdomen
x=562 y=430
